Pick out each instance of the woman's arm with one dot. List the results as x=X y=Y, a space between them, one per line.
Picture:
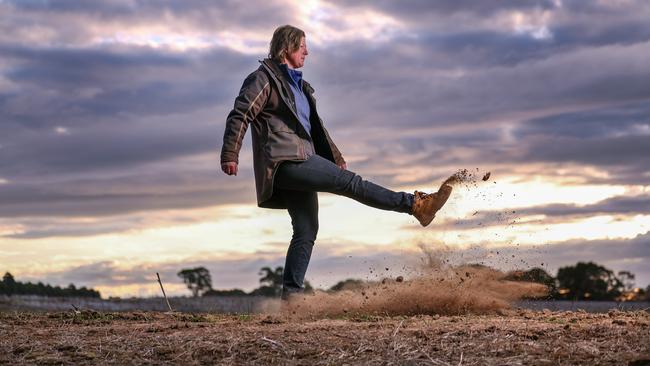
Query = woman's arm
x=250 y=101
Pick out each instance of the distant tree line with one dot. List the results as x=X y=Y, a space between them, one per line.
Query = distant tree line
x=9 y=286
x=582 y=281
x=586 y=281
x=199 y=282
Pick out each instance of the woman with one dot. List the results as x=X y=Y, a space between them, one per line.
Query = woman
x=294 y=157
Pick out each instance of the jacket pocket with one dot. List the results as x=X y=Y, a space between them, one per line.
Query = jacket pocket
x=284 y=145
x=277 y=125
x=282 y=142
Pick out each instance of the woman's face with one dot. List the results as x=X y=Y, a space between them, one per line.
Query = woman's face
x=296 y=59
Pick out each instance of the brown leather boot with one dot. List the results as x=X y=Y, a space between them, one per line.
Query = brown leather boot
x=425 y=205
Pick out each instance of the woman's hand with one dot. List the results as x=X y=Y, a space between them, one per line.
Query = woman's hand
x=343 y=166
x=229 y=167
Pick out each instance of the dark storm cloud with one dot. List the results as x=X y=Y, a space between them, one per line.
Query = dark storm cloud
x=117 y=109
x=110 y=204
x=145 y=106
x=629 y=31
x=615 y=151
x=628 y=119
x=103 y=98
x=104 y=272
x=423 y=12
x=555 y=213
x=615 y=138
x=97 y=7
x=99 y=84
x=479 y=48
x=492 y=72
x=413 y=92
x=124 y=108
x=105 y=148
x=67 y=229
x=131 y=193
x=605 y=8
x=206 y=14
x=480 y=35
x=626 y=205
x=423 y=8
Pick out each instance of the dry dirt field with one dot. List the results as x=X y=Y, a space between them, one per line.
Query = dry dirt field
x=508 y=337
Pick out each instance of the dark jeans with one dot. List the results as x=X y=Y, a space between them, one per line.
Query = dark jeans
x=298 y=183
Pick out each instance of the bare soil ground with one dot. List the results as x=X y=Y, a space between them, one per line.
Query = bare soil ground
x=509 y=337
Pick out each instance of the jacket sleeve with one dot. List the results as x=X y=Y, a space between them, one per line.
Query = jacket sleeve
x=251 y=99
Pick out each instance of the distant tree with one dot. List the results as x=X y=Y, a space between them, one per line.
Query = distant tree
x=233 y=292
x=630 y=293
x=537 y=275
x=197 y=279
x=271 y=281
x=640 y=294
x=71 y=289
x=347 y=284
x=627 y=279
x=267 y=291
x=9 y=284
x=589 y=281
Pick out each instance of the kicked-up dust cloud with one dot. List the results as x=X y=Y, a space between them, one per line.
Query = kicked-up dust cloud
x=438 y=289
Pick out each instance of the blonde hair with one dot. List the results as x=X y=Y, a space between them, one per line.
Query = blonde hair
x=286 y=39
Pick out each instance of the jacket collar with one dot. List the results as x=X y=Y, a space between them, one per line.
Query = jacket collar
x=274 y=68
x=277 y=72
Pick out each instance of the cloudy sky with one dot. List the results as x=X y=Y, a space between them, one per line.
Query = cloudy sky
x=112 y=115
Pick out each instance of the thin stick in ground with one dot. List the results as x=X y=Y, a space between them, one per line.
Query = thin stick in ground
x=163 y=291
